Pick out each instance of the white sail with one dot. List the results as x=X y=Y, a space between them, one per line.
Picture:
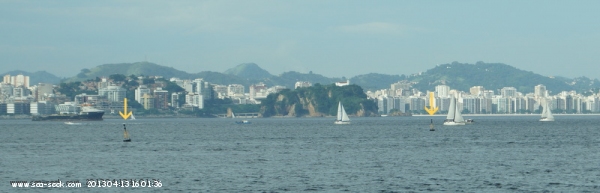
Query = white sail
x=454 y=116
x=232 y=115
x=451 y=110
x=342 y=117
x=546 y=112
x=458 y=115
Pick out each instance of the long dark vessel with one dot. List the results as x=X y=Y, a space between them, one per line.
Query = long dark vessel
x=87 y=114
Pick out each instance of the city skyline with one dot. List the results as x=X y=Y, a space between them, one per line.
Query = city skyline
x=333 y=38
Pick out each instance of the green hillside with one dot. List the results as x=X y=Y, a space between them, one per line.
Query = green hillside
x=36 y=77
x=461 y=76
x=138 y=68
x=492 y=76
x=249 y=71
x=318 y=100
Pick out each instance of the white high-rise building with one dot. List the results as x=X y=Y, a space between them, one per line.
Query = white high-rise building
x=442 y=91
x=18 y=80
x=508 y=92
x=540 y=91
x=476 y=90
x=140 y=91
x=198 y=85
x=235 y=90
x=113 y=93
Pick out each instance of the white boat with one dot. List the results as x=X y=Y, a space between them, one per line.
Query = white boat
x=239 y=122
x=546 y=113
x=342 y=117
x=454 y=116
x=73 y=123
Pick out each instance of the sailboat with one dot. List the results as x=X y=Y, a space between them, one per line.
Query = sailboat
x=132 y=117
x=125 y=135
x=239 y=122
x=546 y=113
x=454 y=116
x=342 y=117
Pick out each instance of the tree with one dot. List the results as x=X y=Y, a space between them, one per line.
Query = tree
x=117 y=77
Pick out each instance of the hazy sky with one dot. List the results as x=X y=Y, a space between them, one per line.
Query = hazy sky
x=329 y=37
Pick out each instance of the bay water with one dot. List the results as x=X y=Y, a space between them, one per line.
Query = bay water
x=381 y=154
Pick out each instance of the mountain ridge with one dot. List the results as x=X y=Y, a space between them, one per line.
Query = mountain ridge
x=460 y=76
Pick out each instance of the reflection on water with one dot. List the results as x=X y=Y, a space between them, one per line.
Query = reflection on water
x=311 y=154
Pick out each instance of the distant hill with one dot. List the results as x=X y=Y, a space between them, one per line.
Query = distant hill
x=138 y=68
x=36 y=77
x=220 y=78
x=249 y=71
x=289 y=79
x=494 y=76
x=460 y=76
x=375 y=81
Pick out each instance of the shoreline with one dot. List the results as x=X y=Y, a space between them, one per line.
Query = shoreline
x=8 y=117
x=510 y=115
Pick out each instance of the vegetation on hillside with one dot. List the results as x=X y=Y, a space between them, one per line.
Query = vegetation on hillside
x=492 y=76
x=460 y=76
x=249 y=71
x=318 y=100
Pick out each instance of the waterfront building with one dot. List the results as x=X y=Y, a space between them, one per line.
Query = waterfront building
x=472 y=104
x=18 y=108
x=502 y=105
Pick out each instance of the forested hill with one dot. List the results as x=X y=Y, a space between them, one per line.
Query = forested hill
x=460 y=76
x=494 y=76
x=318 y=100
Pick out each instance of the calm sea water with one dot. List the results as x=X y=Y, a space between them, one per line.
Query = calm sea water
x=384 y=154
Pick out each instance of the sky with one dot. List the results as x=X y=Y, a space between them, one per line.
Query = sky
x=334 y=38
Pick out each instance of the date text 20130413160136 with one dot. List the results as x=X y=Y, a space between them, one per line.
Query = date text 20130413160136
x=134 y=183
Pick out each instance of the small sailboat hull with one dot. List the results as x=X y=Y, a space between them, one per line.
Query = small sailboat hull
x=342 y=122
x=243 y=122
x=454 y=123
x=126 y=140
x=546 y=119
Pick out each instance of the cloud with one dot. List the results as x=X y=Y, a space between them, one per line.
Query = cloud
x=374 y=28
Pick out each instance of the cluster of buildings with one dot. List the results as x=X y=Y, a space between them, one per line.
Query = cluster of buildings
x=400 y=97
x=198 y=90
x=18 y=97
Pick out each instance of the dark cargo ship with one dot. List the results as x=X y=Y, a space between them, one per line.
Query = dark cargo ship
x=86 y=114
